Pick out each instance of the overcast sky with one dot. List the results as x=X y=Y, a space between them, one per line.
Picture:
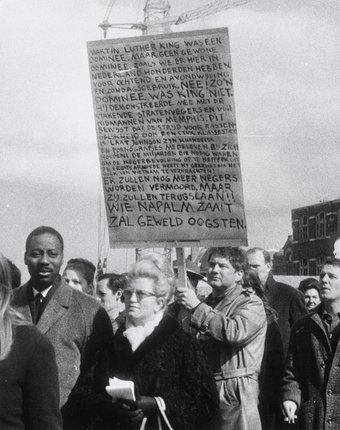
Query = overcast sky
x=285 y=61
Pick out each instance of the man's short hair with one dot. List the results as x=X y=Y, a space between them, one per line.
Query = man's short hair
x=331 y=261
x=115 y=281
x=266 y=255
x=43 y=230
x=236 y=256
x=85 y=267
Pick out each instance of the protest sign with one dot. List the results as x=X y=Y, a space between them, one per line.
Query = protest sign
x=166 y=130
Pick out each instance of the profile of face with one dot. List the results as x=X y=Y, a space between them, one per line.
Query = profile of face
x=336 y=251
x=76 y=280
x=312 y=298
x=142 y=301
x=221 y=273
x=256 y=261
x=43 y=258
x=107 y=297
x=330 y=283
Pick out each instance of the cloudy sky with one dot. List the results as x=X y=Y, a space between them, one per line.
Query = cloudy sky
x=286 y=63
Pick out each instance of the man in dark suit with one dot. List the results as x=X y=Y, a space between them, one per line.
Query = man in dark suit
x=75 y=323
x=288 y=302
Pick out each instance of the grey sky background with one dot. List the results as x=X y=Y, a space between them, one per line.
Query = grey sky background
x=285 y=61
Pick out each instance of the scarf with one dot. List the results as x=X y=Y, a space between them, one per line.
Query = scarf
x=137 y=334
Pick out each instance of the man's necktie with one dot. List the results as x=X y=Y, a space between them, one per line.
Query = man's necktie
x=38 y=306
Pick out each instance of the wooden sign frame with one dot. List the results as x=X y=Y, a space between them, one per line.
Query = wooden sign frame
x=166 y=130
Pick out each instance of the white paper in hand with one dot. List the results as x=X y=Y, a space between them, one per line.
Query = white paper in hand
x=119 y=389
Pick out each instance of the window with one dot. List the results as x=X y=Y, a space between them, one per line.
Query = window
x=331 y=223
x=312 y=267
x=304 y=267
x=303 y=229
x=312 y=227
x=320 y=225
x=319 y=264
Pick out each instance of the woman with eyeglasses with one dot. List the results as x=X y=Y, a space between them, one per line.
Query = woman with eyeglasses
x=173 y=384
x=29 y=392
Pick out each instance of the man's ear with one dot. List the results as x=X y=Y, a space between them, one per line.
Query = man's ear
x=119 y=294
x=91 y=288
x=161 y=303
x=25 y=258
x=269 y=266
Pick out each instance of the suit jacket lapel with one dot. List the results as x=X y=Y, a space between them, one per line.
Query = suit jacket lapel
x=56 y=307
x=316 y=319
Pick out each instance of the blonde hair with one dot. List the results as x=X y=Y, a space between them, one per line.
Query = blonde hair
x=9 y=317
x=157 y=267
x=5 y=271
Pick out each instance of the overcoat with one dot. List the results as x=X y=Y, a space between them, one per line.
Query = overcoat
x=289 y=304
x=233 y=337
x=169 y=363
x=76 y=325
x=312 y=374
x=29 y=392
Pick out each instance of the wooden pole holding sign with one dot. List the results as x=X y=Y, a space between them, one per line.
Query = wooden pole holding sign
x=183 y=316
x=166 y=130
x=181 y=267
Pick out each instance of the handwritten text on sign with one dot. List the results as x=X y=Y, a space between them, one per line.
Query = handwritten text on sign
x=166 y=129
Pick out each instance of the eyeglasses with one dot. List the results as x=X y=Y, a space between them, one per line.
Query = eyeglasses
x=140 y=295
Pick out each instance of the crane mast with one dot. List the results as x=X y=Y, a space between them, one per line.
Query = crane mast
x=157 y=18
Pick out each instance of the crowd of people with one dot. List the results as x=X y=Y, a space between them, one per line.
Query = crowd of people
x=255 y=354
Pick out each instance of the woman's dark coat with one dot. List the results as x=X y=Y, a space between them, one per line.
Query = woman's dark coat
x=29 y=391
x=169 y=364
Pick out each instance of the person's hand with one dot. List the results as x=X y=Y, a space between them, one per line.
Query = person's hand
x=187 y=298
x=289 y=409
x=128 y=413
x=148 y=405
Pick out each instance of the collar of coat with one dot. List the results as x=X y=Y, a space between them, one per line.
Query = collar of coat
x=58 y=304
x=230 y=294
x=270 y=281
x=61 y=292
x=121 y=345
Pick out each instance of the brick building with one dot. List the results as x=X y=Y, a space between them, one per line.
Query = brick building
x=314 y=228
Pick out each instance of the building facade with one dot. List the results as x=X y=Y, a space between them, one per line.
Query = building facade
x=315 y=229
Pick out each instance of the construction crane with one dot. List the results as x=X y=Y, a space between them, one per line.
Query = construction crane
x=157 y=19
